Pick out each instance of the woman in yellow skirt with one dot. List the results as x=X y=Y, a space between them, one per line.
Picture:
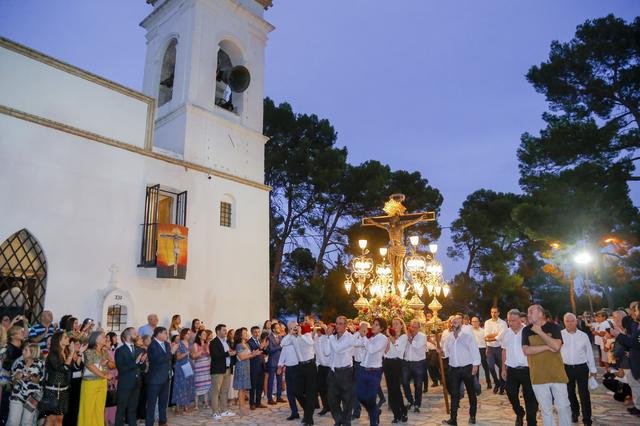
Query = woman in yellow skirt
x=93 y=394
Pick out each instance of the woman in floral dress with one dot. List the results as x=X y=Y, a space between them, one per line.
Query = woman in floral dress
x=183 y=377
x=241 y=374
x=202 y=364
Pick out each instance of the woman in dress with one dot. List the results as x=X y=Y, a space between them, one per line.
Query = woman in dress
x=141 y=413
x=183 y=377
x=112 y=341
x=88 y=327
x=242 y=374
x=392 y=366
x=201 y=367
x=71 y=416
x=93 y=394
x=112 y=385
x=27 y=374
x=233 y=394
x=196 y=325
x=176 y=326
x=57 y=367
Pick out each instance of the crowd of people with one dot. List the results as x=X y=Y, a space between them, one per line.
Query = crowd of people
x=75 y=373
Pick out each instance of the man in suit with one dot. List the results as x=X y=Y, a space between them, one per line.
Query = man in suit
x=256 y=369
x=128 y=361
x=160 y=354
x=220 y=373
x=273 y=351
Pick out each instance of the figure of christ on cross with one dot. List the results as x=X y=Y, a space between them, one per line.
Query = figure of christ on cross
x=176 y=249
x=395 y=223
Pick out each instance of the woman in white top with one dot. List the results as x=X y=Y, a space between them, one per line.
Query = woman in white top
x=176 y=326
x=371 y=368
x=392 y=366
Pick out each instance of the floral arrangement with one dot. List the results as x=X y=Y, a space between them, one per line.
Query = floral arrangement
x=388 y=307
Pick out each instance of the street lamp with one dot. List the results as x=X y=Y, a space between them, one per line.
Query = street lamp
x=583 y=258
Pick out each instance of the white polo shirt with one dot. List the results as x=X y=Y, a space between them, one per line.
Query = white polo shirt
x=374 y=350
x=416 y=350
x=396 y=349
x=512 y=343
x=576 y=349
x=494 y=327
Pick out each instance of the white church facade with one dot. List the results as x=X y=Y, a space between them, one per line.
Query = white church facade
x=91 y=172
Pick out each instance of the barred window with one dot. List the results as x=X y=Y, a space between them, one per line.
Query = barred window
x=116 y=317
x=225 y=214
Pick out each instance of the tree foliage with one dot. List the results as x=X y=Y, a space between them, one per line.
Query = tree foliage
x=574 y=174
x=302 y=161
x=317 y=198
x=592 y=84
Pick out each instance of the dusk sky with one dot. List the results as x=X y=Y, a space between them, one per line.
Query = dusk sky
x=434 y=86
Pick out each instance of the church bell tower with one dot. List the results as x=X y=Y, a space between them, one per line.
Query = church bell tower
x=205 y=68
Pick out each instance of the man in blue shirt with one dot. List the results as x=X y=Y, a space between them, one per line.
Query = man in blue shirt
x=147 y=329
x=41 y=331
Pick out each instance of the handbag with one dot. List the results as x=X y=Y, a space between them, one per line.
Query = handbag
x=112 y=398
x=187 y=370
x=32 y=402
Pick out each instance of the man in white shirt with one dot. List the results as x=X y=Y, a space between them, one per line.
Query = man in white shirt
x=493 y=327
x=515 y=371
x=339 y=348
x=432 y=364
x=358 y=356
x=415 y=355
x=478 y=332
x=464 y=359
x=306 y=386
x=289 y=362
x=322 y=361
x=370 y=375
x=579 y=363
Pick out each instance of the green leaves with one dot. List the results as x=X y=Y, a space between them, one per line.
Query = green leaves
x=592 y=84
x=588 y=201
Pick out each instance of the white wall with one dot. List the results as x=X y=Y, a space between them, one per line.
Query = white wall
x=84 y=202
x=40 y=89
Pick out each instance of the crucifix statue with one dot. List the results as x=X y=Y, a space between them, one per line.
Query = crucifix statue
x=395 y=223
x=176 y=237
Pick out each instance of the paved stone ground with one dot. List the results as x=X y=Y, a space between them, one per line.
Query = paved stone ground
x=492 y=410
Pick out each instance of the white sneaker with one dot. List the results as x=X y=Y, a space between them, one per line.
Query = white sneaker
x=228 y=414
x=217 y=416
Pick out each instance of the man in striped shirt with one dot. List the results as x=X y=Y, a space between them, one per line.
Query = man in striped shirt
x=41 y=331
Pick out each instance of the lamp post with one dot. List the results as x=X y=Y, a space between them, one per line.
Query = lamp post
x=423 y=276
x=434 y=328
x=583 y=258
